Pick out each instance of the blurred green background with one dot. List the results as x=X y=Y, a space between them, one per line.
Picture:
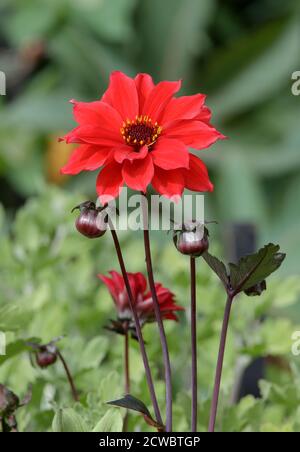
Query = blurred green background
x=240 y=52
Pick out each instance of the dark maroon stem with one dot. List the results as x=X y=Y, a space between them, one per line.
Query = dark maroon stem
x=127 y=376
x=194 y=344
x=69 y=376
x=219 y=368
x=138 y=327
x=163 y=339
x=126 y=363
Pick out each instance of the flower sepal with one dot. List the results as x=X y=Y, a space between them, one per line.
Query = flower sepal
x=122 y=327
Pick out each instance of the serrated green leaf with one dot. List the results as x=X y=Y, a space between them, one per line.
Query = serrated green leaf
x=254 y=268
x=217 y=266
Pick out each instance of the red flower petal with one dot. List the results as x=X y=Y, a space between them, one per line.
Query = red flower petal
x=204 y=115
x=196 y=178
x=116 y=287
x=117 y=280
x=94 y=135
x=170 y=316
x=86 y=158
x=142 y=299
x=166 y=301
x=138 y=284
x=185 y=107
x=144 y=86
x=193 y=133
x=97 y=113
x=170 y=154
x=138 y=174
x=168 y=183
x=141 y=282
x=110 y=285
x=71 y=136
x=100 y=157
x=125 y=152
x=122 y=95
x=158 y=97
x=109 y=182
x=77 y=160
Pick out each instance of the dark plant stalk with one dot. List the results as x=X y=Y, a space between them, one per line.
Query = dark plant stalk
x=163 y=340
x=127 y=376
x=138 y=327
x=219 y=368
x=194 y=344
x=69 y=376
x=126 y=363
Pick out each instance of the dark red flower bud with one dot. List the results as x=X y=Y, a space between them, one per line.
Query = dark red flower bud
x=45 y=358
x=90 y=222
x=192 y=239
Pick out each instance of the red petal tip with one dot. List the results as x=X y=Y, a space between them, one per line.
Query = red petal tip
x=223 y=137
x=63 y=172
x=70 y=140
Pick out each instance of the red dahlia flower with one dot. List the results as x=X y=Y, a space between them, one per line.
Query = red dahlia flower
x=139 y=133
x=142 y=298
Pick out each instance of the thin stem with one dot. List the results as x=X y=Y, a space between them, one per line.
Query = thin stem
x=163 y=340
x=194 y=344
x=69 y=376
x=219 y=368
x=138 y=327
x=127 y=376
x=126 y=363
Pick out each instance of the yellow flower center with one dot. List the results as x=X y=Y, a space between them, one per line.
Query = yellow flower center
x=140 y=131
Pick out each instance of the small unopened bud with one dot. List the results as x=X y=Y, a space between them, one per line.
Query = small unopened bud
x=45 y=358
x=192 y=239
x=90 y=222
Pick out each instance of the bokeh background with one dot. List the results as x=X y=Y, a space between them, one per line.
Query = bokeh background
x=242 y=54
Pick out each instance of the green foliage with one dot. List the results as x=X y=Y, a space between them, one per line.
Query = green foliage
x=243 y=59
x=49 y=272
x=67 y=420
x=112 y=421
